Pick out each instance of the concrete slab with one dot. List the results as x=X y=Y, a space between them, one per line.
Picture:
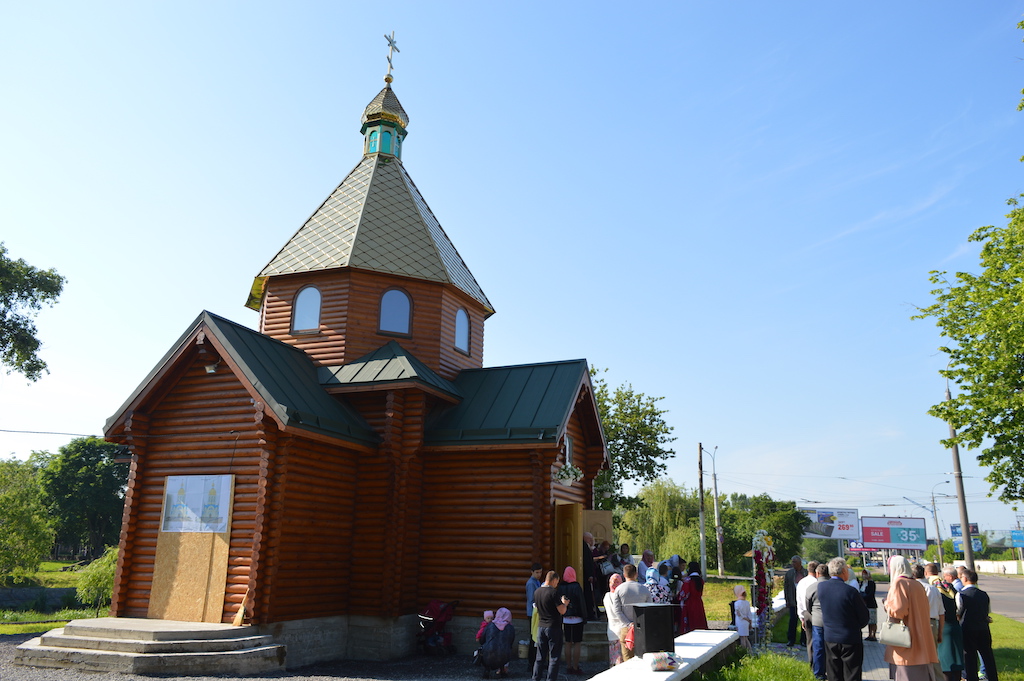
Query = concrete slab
x=153 y=630
x=695 y=649
x=56 y=638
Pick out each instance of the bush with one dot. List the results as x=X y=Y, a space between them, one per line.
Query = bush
x=96 y=580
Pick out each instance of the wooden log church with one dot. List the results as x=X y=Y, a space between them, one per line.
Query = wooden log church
x=352 y=459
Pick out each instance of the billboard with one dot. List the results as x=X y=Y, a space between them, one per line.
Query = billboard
x=831 y=523
x=955 y=530
x=894 y=533
x=958 y=544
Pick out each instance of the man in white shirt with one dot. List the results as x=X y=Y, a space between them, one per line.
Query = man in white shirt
x=801 y=605
x=622 y=600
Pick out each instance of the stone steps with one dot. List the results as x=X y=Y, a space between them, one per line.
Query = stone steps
x=161 y=647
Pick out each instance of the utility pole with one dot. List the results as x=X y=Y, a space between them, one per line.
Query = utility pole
x=718 y=522
x=935 y=516
x=961 y=500
x=700 y=491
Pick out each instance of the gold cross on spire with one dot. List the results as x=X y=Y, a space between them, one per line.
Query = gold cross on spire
x=392 y=48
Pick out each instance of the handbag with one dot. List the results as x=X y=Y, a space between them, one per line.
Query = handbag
x=607 y=568
x=894 y=633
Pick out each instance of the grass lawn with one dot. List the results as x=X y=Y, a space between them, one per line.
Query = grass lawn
x=765 y=667
x=1008 y=645
x=50 y=575
x=31 y=622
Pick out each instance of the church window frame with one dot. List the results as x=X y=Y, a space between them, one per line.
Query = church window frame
x=374 y=134
x=463 y=331
x=391 y=312
x=307 y=310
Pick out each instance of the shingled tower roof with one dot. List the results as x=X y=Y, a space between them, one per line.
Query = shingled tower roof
x=376 y=219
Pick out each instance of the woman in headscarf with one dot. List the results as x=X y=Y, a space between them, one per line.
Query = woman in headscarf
x=573 y=620
x=659 y=593
x=499 y=644
x=951 y=647
x=907 y=602
x=693 y=600
x=614 y=624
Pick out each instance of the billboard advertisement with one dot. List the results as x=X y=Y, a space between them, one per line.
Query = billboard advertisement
x=955 y=530
x=894 y=533
x=958 y=544
x=832 y=523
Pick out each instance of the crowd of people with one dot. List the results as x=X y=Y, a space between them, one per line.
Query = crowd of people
x=559 y=606
x=943 y=613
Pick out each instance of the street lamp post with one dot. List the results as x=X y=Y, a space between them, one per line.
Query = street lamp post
x=935 y=517
x=700 y=491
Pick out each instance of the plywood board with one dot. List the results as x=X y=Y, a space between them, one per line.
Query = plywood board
x=190 y=575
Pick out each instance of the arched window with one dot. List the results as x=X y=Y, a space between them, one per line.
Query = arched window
x=395 y=312
x=306 y=310
x=373 y=141
x=385 y=145
x=462 y=330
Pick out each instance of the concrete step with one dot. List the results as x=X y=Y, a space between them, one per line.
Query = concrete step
x=58 y=638
x=154 y=630
x=235 y=662
x=159 y=647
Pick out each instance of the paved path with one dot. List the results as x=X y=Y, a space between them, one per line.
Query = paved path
x=1007 y=594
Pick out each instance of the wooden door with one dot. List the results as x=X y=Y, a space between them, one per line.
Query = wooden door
x=569 y=538
x=599 y=524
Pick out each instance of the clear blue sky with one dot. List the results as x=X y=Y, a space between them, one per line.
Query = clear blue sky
x=731 y=205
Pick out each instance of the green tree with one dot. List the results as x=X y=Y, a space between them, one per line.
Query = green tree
x=665 y=521
x=637 y=437
x=96 y=581
x=25 y=532
x=820 y=550
x=744 y=515
x=84 y=489
x=23 y=291
x=982 y=315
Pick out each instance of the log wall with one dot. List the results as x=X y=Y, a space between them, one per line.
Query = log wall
x=350 y=306
x=478 y=532
x=310 y=540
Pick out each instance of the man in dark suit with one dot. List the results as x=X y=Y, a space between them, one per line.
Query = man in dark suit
x=589 y=571
x=972 y=609
x=843 y=614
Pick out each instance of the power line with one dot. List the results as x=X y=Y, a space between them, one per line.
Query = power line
x=45 y=432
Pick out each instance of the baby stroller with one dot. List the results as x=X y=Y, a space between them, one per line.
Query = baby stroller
x=433 y=639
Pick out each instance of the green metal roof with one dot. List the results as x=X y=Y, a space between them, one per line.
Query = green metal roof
x=389 y=363
x=284 y=377
x=529 y=402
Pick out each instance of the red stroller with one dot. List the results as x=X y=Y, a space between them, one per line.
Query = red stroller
x=433 y=639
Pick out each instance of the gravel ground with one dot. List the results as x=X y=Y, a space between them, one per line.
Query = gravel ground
x=456 y=668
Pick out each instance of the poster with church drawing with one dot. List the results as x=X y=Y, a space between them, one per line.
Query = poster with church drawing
x=197 y=503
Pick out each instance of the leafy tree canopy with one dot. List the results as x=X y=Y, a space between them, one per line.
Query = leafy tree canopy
x=25 y=532
x=638 y=438
x=667 y=523
x=83 y=487
x=23 y=291
x=982 y=315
